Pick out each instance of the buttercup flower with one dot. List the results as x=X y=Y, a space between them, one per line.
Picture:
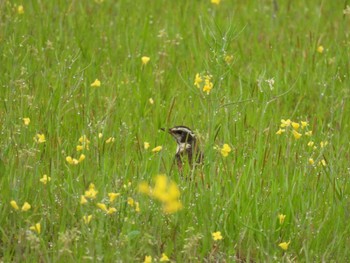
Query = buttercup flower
x=14 y=205
x=309 y=133
x=310 y=143
x=284 y=245
x=216 y=2
x=311 y=161
x=45 y=179
x=26 y=121
x=148 y=259
x=145 y=60
x=280 y=131
x=96 y=83
x=20 y=10
x=285 y=123
x=304 y=124
x=217 y=235
x=83 y=200
x=87 y=219
x=137 y=207
x=36 y=228
x=164 y=258
x=197 y=80
x=320 y=49
x=91 y=192
x=102 y=206
x=26 y=206
x=225 y=150
x=295 y=125
x=113 y=196
x=131 y=201
x=146 y=145
x=157 y=149
x=323 y=144
x=228 y=59
x=322 y=162
x=208 y=85
x=110 y=140
x=281 y=218
x=151 y=101
x=296 y=134
x=164 y=190
x=39 y=138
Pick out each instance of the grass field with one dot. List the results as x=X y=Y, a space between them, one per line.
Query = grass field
x=86 y=87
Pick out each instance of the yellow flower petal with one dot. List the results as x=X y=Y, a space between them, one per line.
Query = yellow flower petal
x=217 y=235
x=296 y=134
x=36 y=228
x=26 y=121
x=45 y=179
x=284 y=245
x=281 y=218
x=148 y=259
x=145 y=60
x=113 y=196
x=157 y=149
x=20 y=10
x=320 y=49
x=87 y=219
x=146 y=145
x=26 y=206
x=96 y=83
x=164 y=258
x=14 y=205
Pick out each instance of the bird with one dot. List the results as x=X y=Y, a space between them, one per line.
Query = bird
x=187 y=145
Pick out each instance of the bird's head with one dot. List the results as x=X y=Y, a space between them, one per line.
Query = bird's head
x=182 y=134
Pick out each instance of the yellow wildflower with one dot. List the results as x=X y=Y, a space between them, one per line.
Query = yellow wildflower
x=284 y=245
x=96 y=83
x=113 y=196
x=323 y=144
x=280 y=131
x=148 y=259
x=216 y=2
x=151 y=101
x=295 y=125
x=145 y=60
x=217 y=235
x=144 y=188
x=20 y=10
x=110 y=140
x=322 y=162
x=84 y=141
x=164 y=258
x=225 y=150
x=304 y=124
x=26 y=206
x=311 y=161
x=157 y=149
x=83 y=200
x=102 y=206
x=137 y=207
x=71 y=160
x=146 y=145
x=79 y=148
x=197 y=80
x=296 y=134
x=310 y=143
x=100 y=135
x=36 y=228
x=14 y=205
x=81 y=158
x=45 y=179
x=39 y=138
x=26 y=121
x=87 y=219
x=320 y=49
x=281 y=218
x=91 y=192
x=208 y=85
x=111 y=210
x=309 y=133
x=285 y=123
x=131 y=201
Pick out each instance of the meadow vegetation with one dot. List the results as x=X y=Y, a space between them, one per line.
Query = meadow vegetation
x=86 y=174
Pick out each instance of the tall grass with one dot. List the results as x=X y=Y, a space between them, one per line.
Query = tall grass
x=266 y=64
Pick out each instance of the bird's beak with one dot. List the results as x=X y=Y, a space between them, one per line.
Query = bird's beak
x=167 y=130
